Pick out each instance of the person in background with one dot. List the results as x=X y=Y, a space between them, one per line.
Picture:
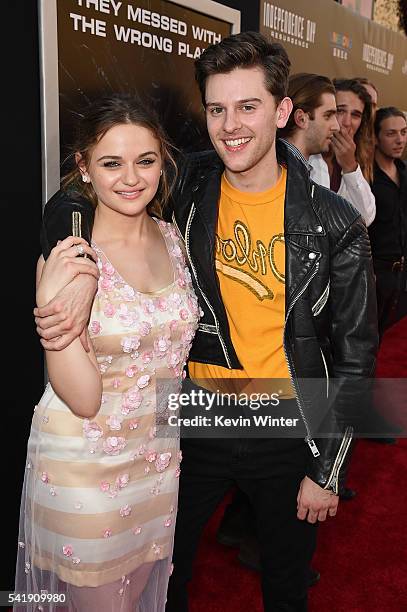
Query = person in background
x=371 y=90
x=347 y=167
x=100 y=494
x=313 y=122
x=388 y=232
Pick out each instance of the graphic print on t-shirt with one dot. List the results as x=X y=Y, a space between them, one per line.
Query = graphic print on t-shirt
x=249 y=262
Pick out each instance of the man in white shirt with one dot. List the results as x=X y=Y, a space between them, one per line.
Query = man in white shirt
x=348 y=163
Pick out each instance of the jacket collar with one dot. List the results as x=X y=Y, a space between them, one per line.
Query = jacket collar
x=300 y=215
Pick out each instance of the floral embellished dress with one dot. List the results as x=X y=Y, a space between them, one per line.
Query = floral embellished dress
x=100 y=496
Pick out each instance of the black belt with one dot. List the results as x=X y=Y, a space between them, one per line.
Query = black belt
x=393 y=266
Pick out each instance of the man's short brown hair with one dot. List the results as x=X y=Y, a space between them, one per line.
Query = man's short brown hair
x=246 y=50
x=305 y=90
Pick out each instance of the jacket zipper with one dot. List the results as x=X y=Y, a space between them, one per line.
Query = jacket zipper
x=332 y=482
x=188 y=227
x=311 y=443
x=176 y=225
x=321 y=302
x=326 y=372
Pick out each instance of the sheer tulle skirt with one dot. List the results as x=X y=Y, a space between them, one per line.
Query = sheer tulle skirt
x=53 y=579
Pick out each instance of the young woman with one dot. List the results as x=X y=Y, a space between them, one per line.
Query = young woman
x=100 y=492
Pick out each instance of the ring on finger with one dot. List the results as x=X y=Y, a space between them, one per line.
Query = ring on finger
x=79 y=248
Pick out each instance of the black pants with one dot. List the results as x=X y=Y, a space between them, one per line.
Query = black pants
x=391 y=302
x=269 y=471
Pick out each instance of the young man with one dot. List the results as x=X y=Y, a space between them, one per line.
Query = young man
x=388 y=232
x=313 y=123
x=283 y=273
x=346 y=167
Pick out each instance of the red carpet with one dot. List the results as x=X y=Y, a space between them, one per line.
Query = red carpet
x=362 y=553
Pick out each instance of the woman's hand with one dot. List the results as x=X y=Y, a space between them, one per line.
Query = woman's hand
x=62 y=266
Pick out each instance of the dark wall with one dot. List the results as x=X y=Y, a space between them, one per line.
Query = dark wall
x=20 y=201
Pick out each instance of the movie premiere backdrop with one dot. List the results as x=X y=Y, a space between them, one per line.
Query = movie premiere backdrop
x=92 y=47
x=324 y=37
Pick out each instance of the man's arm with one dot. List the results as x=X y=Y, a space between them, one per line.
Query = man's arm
x=355 y=188
x=353 y=343
x=65 y=317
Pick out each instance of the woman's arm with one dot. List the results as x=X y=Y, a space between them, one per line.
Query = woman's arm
x=73 y=373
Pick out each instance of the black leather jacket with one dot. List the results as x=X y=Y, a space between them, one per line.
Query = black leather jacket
x=331 y=321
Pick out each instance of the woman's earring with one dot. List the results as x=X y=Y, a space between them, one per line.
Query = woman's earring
x=161 y=172
x=85 y=178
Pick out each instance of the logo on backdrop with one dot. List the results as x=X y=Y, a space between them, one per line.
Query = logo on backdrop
x=377 y=59
x=289 y=27
x=341 y=44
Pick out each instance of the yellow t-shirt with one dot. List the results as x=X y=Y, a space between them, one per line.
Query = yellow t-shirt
x=250 y=264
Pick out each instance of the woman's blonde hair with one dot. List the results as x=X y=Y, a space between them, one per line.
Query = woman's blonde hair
x=104 y=114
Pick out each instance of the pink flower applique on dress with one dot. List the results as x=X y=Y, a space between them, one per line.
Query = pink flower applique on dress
x=147 y=357
x=133 y=424
x=130 y=371
x=183 y=313
x=176 y=251
x=109 y=310
x=106 y=284
x=127 y=293
x=173 y=359
x=122 y=481
x=137 y=530
x=131 y=400
x=104 y=486
x=161 y=346
x=108 y=269
x=95 y=328
x=143 y=381
x=125 y=511
x=113 y=445
x=107 y=533
x=130 y=343
x=175 y=299
x=144 y=328
x=91 y=430
x=44 y=477
x=162 y=304
x=162 y=461
x=150 y=456
x=148 y=306
x=127 y=317
x=67 y=550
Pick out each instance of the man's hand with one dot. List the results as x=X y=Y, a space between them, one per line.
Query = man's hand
x=64 y=318
x=344 y=148
x=315 y=503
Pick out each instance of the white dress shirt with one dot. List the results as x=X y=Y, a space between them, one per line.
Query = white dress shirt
x=354 y=187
